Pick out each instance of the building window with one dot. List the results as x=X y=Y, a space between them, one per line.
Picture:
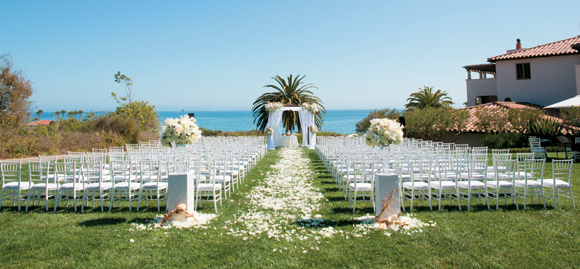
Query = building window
x=523 y=71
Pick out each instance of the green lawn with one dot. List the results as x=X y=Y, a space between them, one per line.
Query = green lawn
x=531 y=238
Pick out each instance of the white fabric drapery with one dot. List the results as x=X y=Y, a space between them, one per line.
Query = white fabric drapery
x=275 y=121
x=306 y=120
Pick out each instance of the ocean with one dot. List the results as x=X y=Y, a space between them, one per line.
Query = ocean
x=339 y=121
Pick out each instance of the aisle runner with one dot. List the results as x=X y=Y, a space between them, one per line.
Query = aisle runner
x=285 y=198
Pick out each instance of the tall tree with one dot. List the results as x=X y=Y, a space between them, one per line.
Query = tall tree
x=289 y=91
x=121 y=78
x=63 y=113
x=39 y=112
x=15 y=90
x=426 y=97
x=141 y=111
x=80 y=114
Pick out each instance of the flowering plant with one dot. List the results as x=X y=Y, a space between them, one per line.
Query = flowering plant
x=273 y=106
x=313 y=129
x=310 y=107
x=181 y=131
x=384 y=132
x=270 y=130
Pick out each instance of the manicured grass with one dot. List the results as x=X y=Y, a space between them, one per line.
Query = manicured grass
x=531 y=238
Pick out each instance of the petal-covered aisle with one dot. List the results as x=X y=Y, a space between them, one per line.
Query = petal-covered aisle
x=285 y=198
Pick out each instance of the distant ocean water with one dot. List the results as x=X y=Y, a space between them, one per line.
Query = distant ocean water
x=339 y=121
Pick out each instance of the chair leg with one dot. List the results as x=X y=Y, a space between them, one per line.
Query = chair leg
x=56 y=201
x=28 y=201
x=139 y=202
x=2 y=199
x=572 y=197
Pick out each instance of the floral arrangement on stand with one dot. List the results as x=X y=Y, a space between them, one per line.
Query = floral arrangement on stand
x=273 y=106
x=384 y=132
x=313 y=129
x=182 y=131
x=310 y=107
x=270 y=130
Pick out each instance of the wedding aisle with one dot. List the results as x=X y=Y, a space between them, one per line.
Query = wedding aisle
x=285 y=198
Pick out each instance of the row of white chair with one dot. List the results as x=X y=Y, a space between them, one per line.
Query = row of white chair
x=429 y=170
x=136 y=174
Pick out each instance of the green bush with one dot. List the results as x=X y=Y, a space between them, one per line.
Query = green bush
x=142 y=112
x=505 y=140
x=363 y=125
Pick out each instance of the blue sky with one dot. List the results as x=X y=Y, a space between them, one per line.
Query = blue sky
x=201 y=55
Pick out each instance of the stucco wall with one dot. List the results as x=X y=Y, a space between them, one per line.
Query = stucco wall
x=577 y=79
x=480 y=87
x=553 y=79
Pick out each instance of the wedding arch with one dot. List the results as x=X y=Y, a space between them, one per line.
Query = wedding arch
x=306 y=120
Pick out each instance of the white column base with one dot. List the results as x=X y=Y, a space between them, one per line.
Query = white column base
x=181 y=190
x=384 y=184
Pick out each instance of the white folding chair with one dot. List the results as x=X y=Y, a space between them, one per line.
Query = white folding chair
x=206 y=185
x=42 y=175
x=12 y=184
x=152 y=185
x=125 y=185
x=445 y=184
x=532 y=182
x=362 y=185
x=96 y=185
x=418 y=186
x=502 y=182
x=72 y=185
x=474 y=183
x=561 y=181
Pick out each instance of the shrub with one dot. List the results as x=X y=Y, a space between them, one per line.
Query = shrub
x=431 y=123
x=363 y=125
x=545 y=127
x=505 y=140
x=142 y=112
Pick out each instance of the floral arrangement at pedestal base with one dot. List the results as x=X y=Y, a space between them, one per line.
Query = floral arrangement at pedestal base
x=384 y=132
x=180 y=131
x=270 y=130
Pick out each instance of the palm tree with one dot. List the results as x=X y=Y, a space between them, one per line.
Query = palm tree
x=427 y=98
x=291 y=91
x=63 y=112
x=57 y=115
x=80 y=114
x=39 y=112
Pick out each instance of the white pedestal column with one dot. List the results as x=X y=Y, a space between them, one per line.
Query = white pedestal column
x=181 y=190
x=384 y=184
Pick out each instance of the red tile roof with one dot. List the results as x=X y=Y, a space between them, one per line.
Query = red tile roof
x=562 y=47
x=497 y=107
x=40 y=122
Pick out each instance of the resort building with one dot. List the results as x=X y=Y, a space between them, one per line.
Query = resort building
x=540 y=75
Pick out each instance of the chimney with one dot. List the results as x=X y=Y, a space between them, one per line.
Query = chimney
x=518 y=45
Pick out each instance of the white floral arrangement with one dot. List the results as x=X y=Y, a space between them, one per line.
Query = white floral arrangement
x=273 y=106
x=182 y=131
x=313 y=129
x=270 y=130
x=384 y=132
x=310 y=107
